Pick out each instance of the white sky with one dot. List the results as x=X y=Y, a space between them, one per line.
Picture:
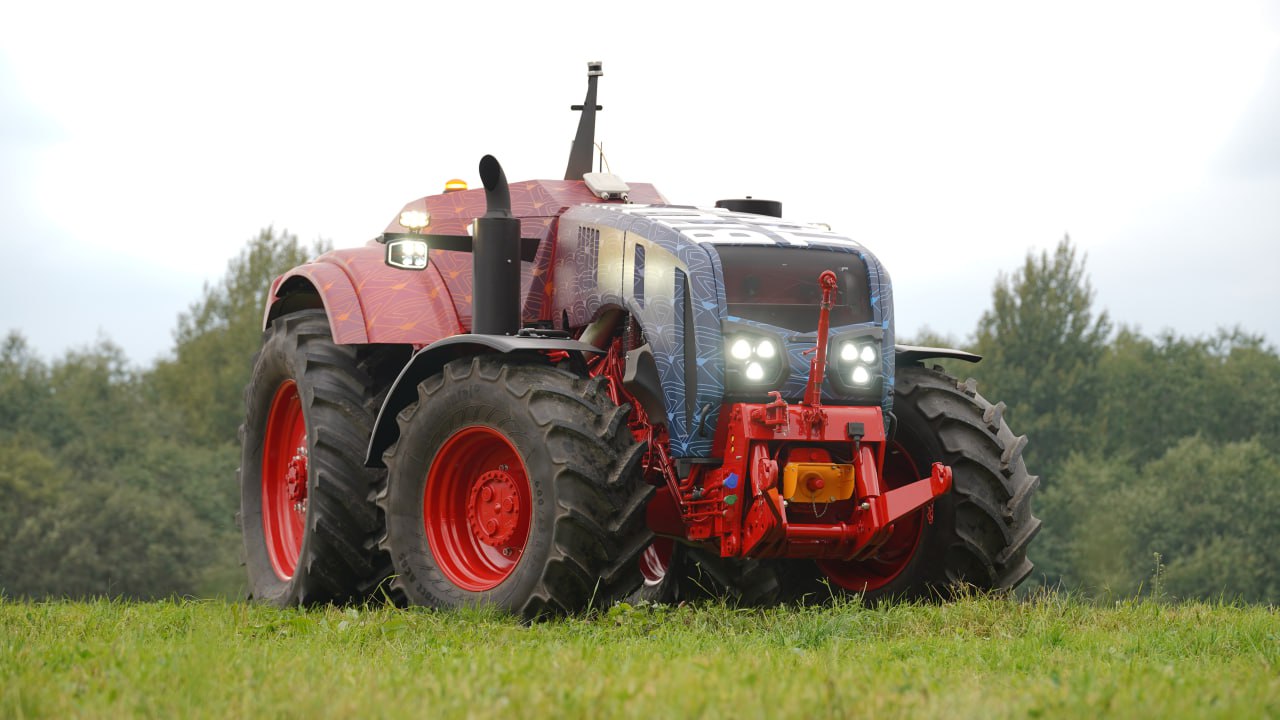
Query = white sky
x=141 y=144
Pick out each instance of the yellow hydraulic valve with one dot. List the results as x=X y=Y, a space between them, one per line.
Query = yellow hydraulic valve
x=817 y=482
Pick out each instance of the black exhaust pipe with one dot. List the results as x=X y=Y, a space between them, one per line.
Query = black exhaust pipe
x=495 y=258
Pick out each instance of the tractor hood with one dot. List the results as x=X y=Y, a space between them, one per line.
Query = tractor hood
x=679 y=271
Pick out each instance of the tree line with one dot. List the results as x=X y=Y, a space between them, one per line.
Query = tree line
x=1158 y=455
x=121 y=481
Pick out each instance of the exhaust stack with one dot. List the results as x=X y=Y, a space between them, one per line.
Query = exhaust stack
x=495 y=259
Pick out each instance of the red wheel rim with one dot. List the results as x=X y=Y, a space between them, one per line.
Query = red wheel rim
x=656 y=560
x=896 y=553
x=477 y=508
x=284 y=480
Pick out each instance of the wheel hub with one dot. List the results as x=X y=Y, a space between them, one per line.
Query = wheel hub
x=296 y=479
x=493 y=508
x=477 y=508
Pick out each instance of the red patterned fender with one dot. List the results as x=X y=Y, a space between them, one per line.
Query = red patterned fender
x=368 y=302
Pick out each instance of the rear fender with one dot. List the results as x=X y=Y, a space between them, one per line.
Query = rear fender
x=430 y=360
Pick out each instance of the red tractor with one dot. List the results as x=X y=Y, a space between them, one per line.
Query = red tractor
x=560 y=393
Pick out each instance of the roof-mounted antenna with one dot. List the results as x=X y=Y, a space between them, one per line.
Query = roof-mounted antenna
x=584 y=142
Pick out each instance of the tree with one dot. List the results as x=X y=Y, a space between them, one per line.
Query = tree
x=108 y=539
x=98 y=406
x=1158 y=391
x=217 y=337
x=1210 y=510
x=30 y=482
x=1041 y=345
x=24 y=385
x=201 y=392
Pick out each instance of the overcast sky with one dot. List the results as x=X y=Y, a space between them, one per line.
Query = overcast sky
x=142 y=144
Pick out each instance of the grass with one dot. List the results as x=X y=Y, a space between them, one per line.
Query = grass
x=977 y=657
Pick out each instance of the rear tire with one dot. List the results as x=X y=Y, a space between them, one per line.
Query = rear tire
x=514 y=484
x=306 y=512
x=980 y=530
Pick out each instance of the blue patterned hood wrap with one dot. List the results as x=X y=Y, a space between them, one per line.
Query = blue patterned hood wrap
x=660 y=263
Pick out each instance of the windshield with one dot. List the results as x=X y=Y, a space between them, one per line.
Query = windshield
x=779 y=285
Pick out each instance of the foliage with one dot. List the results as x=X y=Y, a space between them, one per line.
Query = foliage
x=218 y=336
x=1146 y=445
x=24 y=388
x=30 y=481
x=978 y=657
x=1158 y=391
x=1042 y=345
x=107 y=538
x=1211 y=511
x=120 y=481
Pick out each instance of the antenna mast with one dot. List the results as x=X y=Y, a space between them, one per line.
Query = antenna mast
x=584 y=142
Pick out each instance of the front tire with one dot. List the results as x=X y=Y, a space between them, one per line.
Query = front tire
x=977 y=534
x=306 y=512
x=515 y=484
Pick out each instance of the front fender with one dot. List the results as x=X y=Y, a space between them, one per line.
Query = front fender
x=908 y=354
x=367 y=301
x=431 y=359
x=336 y=293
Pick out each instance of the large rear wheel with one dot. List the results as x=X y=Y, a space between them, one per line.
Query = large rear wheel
x=306 y=500
x=515 y=484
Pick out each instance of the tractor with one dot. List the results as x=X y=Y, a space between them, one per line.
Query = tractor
x=551 y=395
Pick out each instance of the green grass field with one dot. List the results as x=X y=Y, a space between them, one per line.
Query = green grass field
x=973 y=658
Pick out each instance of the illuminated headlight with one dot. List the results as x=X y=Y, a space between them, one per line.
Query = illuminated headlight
x=850 y=352
x=415 y=220
x=407 y=254
x=856 y=364
x=754 y=359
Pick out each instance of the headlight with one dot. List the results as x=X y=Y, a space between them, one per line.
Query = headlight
x=752 y=361
x=407 y=254
x=856 y=368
